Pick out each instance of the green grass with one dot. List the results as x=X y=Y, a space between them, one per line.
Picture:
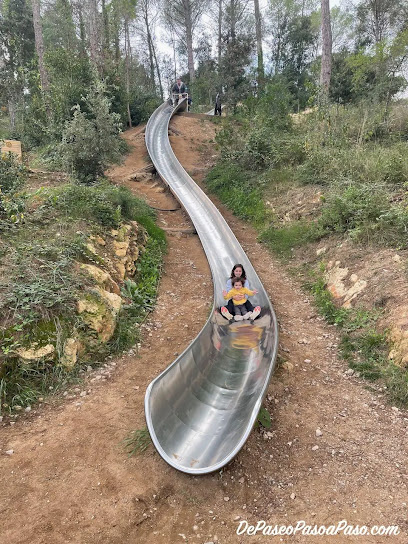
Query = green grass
x=38 y=293
x=283 y=240
x=137 y=442
x=22 y=385
x=237 y=190
x=362 y=346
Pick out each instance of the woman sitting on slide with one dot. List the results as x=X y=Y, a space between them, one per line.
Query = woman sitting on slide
x=238 y=271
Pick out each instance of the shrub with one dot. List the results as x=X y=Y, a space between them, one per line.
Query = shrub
x=238 y=191
x=283 y=240
x=91 y=139
x=12 y=178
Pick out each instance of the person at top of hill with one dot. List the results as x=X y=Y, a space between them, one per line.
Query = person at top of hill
x=178 y=89
x=217 y=107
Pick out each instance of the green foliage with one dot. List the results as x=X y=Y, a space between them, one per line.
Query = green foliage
x=366 y=214
x=142 y=106
x=284 y=239
x=366 y=353
x=104 y=204
x=140 y=294
x=236 y=83
x=91 y=139
x=264 y=418
x=137 y=441
x=238 y=190
x=12 y=200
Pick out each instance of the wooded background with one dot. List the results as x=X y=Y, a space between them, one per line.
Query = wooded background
x=53 y=52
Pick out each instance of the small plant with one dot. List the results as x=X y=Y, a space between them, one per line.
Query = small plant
x=264 y=418
x=12 y=200
x=137 y=442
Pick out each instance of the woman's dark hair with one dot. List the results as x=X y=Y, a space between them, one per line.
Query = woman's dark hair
x=243 y=275
x=236 y=280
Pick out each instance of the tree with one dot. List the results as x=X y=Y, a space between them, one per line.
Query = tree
x=325 y=72
x=182 y=16
x=147 y=32
x=39 y=45
x=258 y=27
x=90 y=139
x=17 y=53
x=379 y=20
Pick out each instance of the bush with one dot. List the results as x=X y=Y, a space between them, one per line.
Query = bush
x=283 y=240
x=365 y=212
x=12 y=178
x=104 y=204
x=141 y=107
x=238 y=191
x=91 y=140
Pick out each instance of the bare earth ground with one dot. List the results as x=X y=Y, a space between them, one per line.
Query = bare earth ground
x=69 y=479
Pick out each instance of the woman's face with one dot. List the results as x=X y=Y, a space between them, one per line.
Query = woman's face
x=238 y=272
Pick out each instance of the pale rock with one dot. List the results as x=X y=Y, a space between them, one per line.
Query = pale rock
x=70 y=353
x=101 y=277
x=36 y=354
x=121 y=248
x=321 y=251
x=91 y=248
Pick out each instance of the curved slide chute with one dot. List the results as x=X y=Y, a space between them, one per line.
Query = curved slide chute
x=202 y=408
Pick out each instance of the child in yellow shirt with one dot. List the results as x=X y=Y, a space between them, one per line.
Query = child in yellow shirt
x=240 y=311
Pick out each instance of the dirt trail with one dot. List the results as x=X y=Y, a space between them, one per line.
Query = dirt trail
x=69 y=479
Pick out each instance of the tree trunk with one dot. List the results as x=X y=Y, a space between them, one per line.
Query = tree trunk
x=189 y=38
x=106 y=31
x=93 y=32
x=12 y=114
x=173 y=41
x=127 y=62
x=325 y=73
x=149 y=43
x=258 y=28
x=219 y=32
x=39 y=45
x=158 y=72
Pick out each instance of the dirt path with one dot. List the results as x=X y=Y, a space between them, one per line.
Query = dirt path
x=69 y=479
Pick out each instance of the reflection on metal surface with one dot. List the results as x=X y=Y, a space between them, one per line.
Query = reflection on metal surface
x=201 y=409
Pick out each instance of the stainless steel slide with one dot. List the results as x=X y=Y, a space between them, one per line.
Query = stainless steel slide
x=202 y=408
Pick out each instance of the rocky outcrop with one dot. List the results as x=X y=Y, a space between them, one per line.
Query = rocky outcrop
x=342 y=285
x=34 y=354
x=113 y=259
x=398 y=335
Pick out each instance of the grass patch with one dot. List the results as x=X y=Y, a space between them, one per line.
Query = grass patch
x=285 y=239
x=238 y=190
x=137 y=442
x=22 y=385
x=364 y=348
x=140 y=295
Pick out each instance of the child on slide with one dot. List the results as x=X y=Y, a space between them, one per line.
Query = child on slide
x=240 y=311
x=238 y=271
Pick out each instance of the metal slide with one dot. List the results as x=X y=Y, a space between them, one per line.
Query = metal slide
x=202 y=408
